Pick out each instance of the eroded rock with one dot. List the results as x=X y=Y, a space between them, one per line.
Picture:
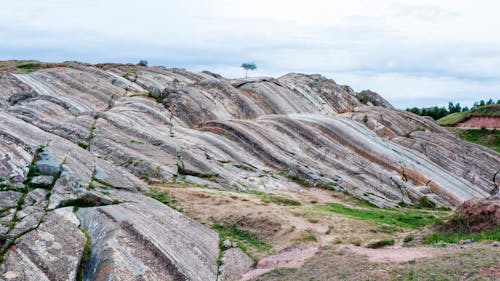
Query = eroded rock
x=51 y=252
x=148 y=240
x=234 y=263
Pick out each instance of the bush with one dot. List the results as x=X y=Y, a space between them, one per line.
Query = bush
x=381 y=243
x=143 y=63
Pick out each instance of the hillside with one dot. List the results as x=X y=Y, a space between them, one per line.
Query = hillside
x=101 y=167
x=488 y=111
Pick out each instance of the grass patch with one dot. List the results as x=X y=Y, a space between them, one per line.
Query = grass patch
x=145 y=94
x=79 y=203
x=483 y=136
x=381 y=243
x=83 y=145
x=308 y=237
x=165 y=198
x=85 y=255
x=405 y=218
x=136 y=142
x=244 y=239
x=29 y=67
x=445 y=237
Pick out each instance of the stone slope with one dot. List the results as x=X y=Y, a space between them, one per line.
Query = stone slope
x=100 y=133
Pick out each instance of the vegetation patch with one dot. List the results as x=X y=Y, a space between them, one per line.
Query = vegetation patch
x=79 y=203
x=165 y=198
x=29 y=67
x=405 y=218
x=455 y=237
x=381 y=243
x=85 y=255
x=308 y=237
x=483 y=136
x=244 y=239
x=280 y=200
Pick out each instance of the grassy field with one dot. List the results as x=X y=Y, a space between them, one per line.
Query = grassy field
x=400 y=218
x=440 y=237
x=455 y=118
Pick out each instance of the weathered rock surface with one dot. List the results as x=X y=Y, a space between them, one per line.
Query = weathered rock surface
x=143 y=239
x=234 y=263
x=96 y=131
x=371 y=98
x=51 y=252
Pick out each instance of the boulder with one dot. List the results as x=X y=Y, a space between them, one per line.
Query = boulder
x=370 y=97
x=234 y=264
x=47 y=165
x=42 y=181
x=475 y=215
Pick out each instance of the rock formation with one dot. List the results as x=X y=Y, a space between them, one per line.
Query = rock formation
x=93 y=136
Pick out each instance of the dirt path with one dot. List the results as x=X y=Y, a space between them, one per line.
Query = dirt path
x=289 y=258
x=395 y=254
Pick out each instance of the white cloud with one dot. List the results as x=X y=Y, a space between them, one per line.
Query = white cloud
x=444 y=47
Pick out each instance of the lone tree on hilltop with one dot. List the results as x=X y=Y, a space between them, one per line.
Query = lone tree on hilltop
x=248 y=66
x=143 y=63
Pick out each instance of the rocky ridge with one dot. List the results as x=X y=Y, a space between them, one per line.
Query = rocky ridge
x=94 y=136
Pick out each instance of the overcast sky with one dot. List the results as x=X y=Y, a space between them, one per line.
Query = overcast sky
x=413 y=52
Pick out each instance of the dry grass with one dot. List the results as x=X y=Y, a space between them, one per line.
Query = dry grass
x=278 y=224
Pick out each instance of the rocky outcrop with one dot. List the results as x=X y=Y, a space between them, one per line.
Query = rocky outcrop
x=371 y=98
x=475 y=216
x=93 y=136
x=142 y=238
x=51 y=252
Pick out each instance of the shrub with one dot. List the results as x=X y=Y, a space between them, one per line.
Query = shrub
x=381 y=243
x=143 y=63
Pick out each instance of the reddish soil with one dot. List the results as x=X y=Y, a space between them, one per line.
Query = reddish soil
x=480 y=122
x=289 y=258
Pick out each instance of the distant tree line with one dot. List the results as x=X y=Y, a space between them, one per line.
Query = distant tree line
x=437 y=112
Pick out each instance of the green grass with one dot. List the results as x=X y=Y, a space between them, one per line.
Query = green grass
x=145 y=94
x=280 y=200
x=401 y=217
x=440 y=237
x=85 y=255
x=484 y=137
x=244 y=239
x=455 y=118
x=165 y=198
x=308 y=237
x=28 y=67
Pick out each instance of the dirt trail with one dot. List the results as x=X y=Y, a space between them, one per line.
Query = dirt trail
x=289 y=258
x=395 y=254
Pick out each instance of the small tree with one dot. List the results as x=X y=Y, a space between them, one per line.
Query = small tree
x=248 y=66
x=143 y=63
